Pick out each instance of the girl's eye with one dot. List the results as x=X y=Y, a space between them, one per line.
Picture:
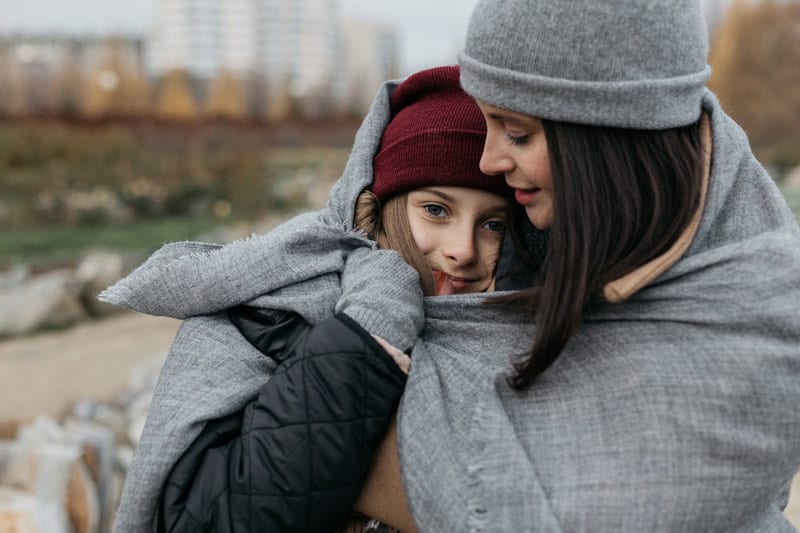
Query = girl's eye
x=435 y=210
x=517 y=140
x=495 y=226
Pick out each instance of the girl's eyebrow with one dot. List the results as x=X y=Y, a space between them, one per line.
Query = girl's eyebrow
x=444 y=196
x=498 y=208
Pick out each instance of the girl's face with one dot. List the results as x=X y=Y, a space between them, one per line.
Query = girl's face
x=516 y=147
x=459 y=230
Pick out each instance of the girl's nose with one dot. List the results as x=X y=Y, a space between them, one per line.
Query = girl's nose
x=459 y=247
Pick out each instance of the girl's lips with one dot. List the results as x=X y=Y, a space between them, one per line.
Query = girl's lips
x=525 y=196
x=446 y=284
x=457 y=283
x=440 y=277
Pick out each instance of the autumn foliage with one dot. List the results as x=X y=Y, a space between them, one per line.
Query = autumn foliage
x=226 y=98
x=111 y=83
x=755 y=60
x=115 y=88
x=176 y=100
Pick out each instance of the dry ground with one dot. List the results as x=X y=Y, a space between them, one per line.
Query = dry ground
x=46 y=373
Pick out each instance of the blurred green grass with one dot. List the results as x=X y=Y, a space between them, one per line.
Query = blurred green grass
x=792 y=195
x=53 y=246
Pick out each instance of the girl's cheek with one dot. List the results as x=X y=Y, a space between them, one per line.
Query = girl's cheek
x=424 y=242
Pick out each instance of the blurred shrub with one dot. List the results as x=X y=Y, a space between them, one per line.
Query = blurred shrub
x=227 y=97
x=59 y=173
x=176 y=100
x=114 y=88
x=755 y=60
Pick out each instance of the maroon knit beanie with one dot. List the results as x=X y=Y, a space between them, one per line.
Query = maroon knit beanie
x=435 y=137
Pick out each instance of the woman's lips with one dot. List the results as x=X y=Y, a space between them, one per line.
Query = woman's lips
x=525 y=196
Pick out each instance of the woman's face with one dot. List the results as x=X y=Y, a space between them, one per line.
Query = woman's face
x=459 y=230
x=516 y=147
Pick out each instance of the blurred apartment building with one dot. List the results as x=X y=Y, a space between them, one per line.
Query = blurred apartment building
x=369 y=58
x=41 y=74
x=714 y=11
x=257 y=58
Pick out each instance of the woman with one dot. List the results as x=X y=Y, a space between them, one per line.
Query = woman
x=314 y=290
x=657 y=389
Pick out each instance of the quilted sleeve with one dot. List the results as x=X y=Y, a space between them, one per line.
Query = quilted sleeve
x=295 y=458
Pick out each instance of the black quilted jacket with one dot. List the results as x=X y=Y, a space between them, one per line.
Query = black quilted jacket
x=295 y=458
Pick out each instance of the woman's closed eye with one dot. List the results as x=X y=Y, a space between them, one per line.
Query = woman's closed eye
x=517 y=140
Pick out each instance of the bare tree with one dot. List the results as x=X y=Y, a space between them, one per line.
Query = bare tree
x=13 y=89
x=66 y=88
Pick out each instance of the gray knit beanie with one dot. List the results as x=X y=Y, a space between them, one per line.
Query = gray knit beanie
x=624 y=63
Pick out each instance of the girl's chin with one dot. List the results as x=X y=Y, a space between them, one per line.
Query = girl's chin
x=446 y=288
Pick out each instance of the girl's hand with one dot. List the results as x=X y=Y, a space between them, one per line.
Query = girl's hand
x=402 y=359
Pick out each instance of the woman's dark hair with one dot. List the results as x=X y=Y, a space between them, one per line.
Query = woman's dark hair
x=621 y=197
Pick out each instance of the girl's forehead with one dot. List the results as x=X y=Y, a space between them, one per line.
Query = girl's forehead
x=463 y=195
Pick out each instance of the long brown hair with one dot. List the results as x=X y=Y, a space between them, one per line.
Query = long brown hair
x=388 y=226
x=621 y=197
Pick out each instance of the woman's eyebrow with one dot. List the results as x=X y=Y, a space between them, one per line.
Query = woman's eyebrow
x=510 y=119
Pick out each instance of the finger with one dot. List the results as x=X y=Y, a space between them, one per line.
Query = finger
x=403 y=361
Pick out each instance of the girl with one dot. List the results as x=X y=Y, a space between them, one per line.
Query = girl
x=654 y=375
x=228 y=449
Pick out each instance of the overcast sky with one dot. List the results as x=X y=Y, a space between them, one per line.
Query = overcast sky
x=430 y=31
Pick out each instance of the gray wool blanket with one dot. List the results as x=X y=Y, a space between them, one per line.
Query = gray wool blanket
x=315 y=264
x=675 y=410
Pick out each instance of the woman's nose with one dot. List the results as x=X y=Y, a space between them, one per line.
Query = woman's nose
x=494 y=161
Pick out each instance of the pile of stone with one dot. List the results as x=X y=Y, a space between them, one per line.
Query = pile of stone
x=31 y=301
x=66 y=476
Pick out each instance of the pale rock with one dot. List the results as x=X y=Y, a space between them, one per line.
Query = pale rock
x=18 y=512
x=51 y=300
x=96 y=272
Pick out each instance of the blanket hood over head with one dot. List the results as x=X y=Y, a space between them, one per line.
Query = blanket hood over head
x=315 y=264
